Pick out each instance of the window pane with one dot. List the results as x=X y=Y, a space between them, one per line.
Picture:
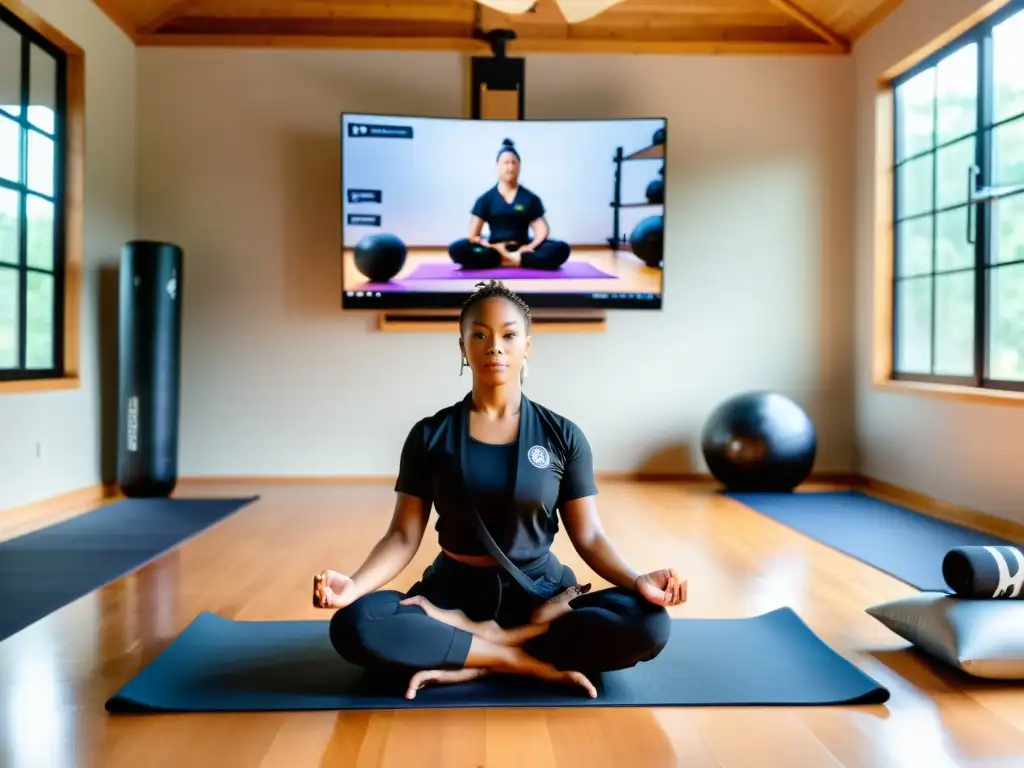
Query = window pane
x=9 y=226
x=39 y=311
x=914 y=180
x=1008 y=226
x=915 y=103
x=914 y=247
x=1008 y=67
x=40 y=233
x=958 y=94
x=8 y=317
x=914 y=325
x=1008 y=153
x=42 y=97
x=10 y=149
x=1006 y=322
x=40 y=163
x=954 y=324
x=953 y=162
x=953 y=250
x=10 y=70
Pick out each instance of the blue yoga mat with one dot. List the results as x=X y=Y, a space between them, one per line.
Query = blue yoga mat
x=898 y=541
x=47 y=569
x=220 y=665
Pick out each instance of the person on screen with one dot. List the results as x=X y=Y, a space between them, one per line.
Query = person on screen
x=510 y=211
x=501 y=470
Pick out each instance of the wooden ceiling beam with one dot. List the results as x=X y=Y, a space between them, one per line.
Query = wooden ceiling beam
x=723 y=47
x=798 y=13
x=169 y=13
x=112 y=10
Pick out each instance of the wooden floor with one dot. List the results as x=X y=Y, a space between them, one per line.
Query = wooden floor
x=628 y=274
x=56 y=674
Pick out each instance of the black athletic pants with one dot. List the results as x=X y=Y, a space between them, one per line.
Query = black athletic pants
x=551 y=254
x=607 y=630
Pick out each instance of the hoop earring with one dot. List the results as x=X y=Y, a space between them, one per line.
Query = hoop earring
x=524 y=371
x=462 y=367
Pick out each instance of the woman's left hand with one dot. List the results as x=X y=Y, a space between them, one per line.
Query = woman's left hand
x=662 y=587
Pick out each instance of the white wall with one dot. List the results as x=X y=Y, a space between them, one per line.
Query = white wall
x=961 y=452
x=67 y=424
x=239 y=163
x=430 y=172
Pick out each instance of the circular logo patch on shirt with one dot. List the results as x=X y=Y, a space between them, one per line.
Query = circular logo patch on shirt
x=538 y=456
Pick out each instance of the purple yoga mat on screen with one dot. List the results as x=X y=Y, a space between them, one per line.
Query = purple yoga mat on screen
x=570 y=270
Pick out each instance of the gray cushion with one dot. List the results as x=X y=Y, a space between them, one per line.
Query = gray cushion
x=984 y=638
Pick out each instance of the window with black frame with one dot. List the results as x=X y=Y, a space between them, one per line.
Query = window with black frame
x=32 y=161
x=958 y=288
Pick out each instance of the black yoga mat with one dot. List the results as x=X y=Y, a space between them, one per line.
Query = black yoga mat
x=898 y=541
x=42 y=571
x=220 y=665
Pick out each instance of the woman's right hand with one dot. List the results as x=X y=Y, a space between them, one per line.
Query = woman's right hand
x=334 y=590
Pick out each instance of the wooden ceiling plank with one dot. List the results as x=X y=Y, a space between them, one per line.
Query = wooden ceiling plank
x=399 y=10
x=873 y=19
x=172 y=10
x=798 y=13
x=263 y=26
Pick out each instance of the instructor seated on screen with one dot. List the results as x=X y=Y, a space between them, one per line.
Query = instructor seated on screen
x=502 y=472
x=510 y=211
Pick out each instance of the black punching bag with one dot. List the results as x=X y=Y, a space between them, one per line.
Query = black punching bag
x=150 y=364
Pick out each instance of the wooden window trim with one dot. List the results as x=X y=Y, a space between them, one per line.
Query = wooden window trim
x=884 y=254
x=73 y=204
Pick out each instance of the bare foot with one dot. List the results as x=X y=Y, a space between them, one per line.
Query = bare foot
x=487 y=630
x=441 y=677
x=521 y=663
x=558 y=605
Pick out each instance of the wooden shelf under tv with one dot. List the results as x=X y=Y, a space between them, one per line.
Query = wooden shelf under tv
x=447 y=321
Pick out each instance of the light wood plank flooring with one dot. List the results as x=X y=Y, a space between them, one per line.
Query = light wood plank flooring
x=56 y=675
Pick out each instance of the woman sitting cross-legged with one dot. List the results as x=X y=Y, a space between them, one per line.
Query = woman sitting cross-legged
x=498 y=467
x=510 y=212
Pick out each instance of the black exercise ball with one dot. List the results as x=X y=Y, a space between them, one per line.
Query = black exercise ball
x=656 y=191
x=659 y=136
x=646 y=240
x=759 y=441
x=380 y=257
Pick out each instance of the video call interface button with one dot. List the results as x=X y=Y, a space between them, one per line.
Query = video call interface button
x=365 y=196
x=372 y=131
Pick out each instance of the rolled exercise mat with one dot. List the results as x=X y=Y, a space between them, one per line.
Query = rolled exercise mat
x=985 y=572
x=220 y=665
x=149 y=368
x=905 y=544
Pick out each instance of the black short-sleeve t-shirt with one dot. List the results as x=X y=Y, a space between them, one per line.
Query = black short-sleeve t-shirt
x=524 y=531
x=508 y=222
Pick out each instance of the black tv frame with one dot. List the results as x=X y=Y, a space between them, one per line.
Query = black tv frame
x=447 y=300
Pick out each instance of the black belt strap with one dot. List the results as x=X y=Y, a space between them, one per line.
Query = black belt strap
x=500 y=556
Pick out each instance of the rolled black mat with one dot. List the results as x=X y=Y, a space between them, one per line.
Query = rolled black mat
x=47 y=569
x=985 y=572
x=220 y=665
